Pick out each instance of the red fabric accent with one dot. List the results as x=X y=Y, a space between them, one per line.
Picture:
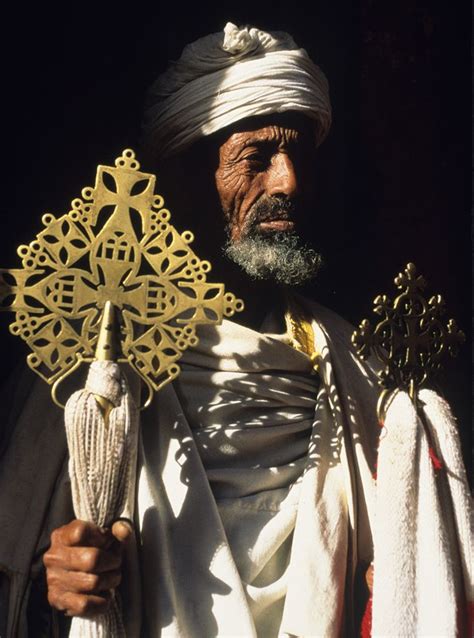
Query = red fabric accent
x=366 y=626
x=435 y=460
x=465 y=620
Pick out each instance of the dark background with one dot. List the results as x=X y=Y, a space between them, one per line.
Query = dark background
x=394 y=174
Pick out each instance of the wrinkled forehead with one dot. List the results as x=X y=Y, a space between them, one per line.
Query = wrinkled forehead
x=202 y=158
x=275 y=129
x=298 y=122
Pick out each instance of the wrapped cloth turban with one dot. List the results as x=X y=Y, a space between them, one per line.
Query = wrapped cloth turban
x=228 y=76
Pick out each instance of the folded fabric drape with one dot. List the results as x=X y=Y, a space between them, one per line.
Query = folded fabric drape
x=250 y=499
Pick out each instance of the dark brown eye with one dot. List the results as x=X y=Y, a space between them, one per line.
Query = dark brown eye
x=257 y=160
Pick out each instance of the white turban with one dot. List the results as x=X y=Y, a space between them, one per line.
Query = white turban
x=228 y=76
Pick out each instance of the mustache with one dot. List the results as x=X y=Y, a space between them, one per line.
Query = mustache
x=270 y=208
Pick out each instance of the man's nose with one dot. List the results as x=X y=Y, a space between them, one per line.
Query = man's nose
x=281 y=176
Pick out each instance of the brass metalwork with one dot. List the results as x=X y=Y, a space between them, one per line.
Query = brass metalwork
x=107 y=348
x=411 y=340
x=115 y=245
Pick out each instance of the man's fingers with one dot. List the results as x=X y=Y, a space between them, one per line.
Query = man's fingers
x=85 y=606
x=83 y=567
x=122 y=530
x=82 y=559
x=82 y=582
x=82 y=534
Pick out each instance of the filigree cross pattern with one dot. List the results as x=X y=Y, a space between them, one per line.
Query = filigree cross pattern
x=411 y=339
x=116 y=244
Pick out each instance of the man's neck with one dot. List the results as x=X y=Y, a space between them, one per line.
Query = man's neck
x=259 y=297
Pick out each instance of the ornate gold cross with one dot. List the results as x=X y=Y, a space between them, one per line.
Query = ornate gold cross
x=115 y=245
x=411 y=340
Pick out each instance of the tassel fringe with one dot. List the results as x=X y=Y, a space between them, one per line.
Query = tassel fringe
x=102 y=459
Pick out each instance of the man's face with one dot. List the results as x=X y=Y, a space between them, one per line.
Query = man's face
x=264 y=181
x=268 y=164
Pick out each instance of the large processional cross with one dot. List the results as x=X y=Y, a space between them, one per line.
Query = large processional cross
x=115 y=245
x=110 y=281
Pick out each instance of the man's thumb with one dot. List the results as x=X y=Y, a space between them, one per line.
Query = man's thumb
x=122 y=530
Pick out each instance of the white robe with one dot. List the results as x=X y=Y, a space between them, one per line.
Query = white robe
x=256 y=496
x=255 y=481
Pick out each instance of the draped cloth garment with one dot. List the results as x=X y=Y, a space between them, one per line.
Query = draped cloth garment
x=255 y=485
x=242 y=532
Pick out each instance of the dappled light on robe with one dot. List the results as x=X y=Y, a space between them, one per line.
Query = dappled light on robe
x=248 y=489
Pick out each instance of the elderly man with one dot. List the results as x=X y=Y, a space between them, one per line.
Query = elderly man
x=256 y=498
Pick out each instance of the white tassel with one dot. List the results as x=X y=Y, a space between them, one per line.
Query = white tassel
x=102 y=460
x=421 y=525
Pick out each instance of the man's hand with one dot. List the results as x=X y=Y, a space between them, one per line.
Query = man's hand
x=83 y=566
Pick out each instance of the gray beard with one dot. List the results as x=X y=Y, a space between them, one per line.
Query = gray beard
x=279 y=256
